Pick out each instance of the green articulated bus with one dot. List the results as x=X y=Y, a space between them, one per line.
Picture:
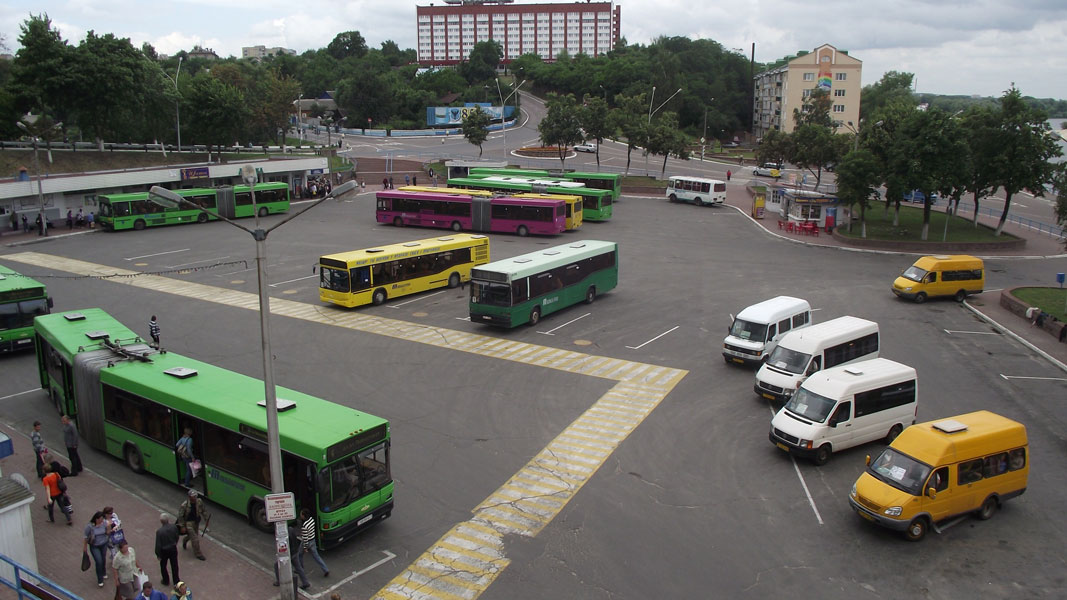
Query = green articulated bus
x=597 y=181
x=134 y=402
x=21 y=299
x=136 y=211
x=596 y=204
x=527 y=287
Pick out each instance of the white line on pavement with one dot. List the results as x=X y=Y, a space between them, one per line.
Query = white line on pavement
x=157 y=254
x=654 y=339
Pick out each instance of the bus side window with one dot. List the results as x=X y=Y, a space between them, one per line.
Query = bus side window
x=1017 y=459
x=772 y=331
x=969 y=472
x=939 y=480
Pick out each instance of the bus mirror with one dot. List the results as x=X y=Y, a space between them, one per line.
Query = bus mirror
x=314 y=269
x=931 y=493
x=868 y=460
x=51 y=303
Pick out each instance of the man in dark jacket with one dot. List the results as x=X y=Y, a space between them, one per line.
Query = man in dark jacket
x=70 y=439
x=167 y=548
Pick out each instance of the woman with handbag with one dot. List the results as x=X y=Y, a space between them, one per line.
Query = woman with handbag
x=115 y=534
x=96 y=542
x=57 y=490
x=126 y=569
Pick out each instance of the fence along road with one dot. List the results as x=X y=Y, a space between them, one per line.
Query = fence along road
x=470 y=556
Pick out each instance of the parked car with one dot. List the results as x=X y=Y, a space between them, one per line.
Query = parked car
x=919 y=197
x=587 y=147
x=768 y=170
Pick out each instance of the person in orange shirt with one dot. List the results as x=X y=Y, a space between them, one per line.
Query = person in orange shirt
x=51 y=481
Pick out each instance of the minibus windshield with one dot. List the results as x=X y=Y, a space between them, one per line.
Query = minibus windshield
x=900 y=471
x=914 y=273
x=757 y=332
x=808 y=404
x=788 y=360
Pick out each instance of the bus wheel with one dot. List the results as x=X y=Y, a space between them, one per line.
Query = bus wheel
x=379 y=297
x=920 y=298
x=535 y=315
x=961 y=296
x=201 y=218
x=134 y=460
x=398 y=222
x=522 y=231
x=456 y=226
x=698 y=202
x=453 y=280
x=988 y=509
x=672 y=198
x=590 y=295
x=916 y=530
x=263 y=211
x=138 y=224
x=893 y=433
x=822 y=455
x=257 y=515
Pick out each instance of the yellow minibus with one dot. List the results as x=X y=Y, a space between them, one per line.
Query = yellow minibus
x=958 y=275
x=941 y=469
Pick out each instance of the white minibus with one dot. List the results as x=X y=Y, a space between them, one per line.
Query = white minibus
x=846 y=406
x=696 y=190
x=756 y=330
x=802 y=352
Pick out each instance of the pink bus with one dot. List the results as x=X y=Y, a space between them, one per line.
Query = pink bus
x=460 y=212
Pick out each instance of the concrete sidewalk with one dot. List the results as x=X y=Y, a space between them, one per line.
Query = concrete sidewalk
x=225 y=573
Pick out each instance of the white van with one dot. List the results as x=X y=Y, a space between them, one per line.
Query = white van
x=756 y=330
x=804 y=351
x=846 y=406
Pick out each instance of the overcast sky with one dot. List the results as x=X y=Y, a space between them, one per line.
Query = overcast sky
x=952 y=46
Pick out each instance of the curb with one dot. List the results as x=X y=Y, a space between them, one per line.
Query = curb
x=1015 y=336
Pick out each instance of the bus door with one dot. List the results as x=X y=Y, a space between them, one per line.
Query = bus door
x=185 y=421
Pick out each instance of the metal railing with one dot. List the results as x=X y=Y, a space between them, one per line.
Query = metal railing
x=30 y=584
x=1053 y=230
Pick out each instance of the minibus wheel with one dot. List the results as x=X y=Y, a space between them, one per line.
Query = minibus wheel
x=893 y=433
x=920 y=297
x=822 y=455
x=698 y=202
x=672 y=198
x=961 y=296
x=916 y=529
x=988 y=509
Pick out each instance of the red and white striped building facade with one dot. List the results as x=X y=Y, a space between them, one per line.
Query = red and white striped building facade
x=448 y=33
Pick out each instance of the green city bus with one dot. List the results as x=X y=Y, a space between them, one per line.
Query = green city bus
x=525 y=288
x=21 y=299
x=136 y=211
x=596 y=181
x=134 y=401
x=596 y=204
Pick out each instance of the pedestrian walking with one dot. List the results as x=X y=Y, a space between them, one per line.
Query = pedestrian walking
x=391 y=186
x=70 y=219
x=297 y=562
x=167 y=549
x=40 y=225
x=91 y=220
x=414 y=180
x=95 y=542
x=25 y=224
x=148 y=592
x=38 y=446
x=184 y=449
x=56 y=490
x=79 y=220
x=70 y=440
x=153 y=330
x=13 y=218
x=728 y=175
x=308 y=542
x=181 y=592
x=125 y=568
x=385 y=183
x=407 y=179
x=189 y=516
x=115 y=535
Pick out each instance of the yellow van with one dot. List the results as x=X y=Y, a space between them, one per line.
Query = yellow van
x=940 y=469
x=958 y=275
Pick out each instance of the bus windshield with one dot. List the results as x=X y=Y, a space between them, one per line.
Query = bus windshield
x=491 y=294
x=353 y=477
x=914 y=273
x=756 y=332
x=900 y=471
x=335 y=280
x=810 y=405
x=788 y=360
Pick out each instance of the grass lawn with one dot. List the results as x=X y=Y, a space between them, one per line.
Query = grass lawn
x=642 y=181
x=880 y=226
x=1050 y=300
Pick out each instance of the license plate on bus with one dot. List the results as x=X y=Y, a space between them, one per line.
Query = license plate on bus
x=737 y=360
x=767 y=396
x=364 y=520
x=865 y=515
x=782 y=446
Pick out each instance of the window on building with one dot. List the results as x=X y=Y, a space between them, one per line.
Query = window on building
x=839 y=108
x=809 y=76
x=841 y=76
x=839 y=92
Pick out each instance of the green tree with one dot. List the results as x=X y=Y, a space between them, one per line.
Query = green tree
x=775 y=148
x=878 y=134
x=815 y=147
x=665 y=139
x=274 y=97
x=980 y=128
x=1059 y=187
x=474 y=128
x=858 y=177
x=215 y=112
x=893 y=86
x=629 y=119
x=561 y=126
x=815 y=110
x=929 y=150
x=481 y=64
x=593 y=117
x=347 y=44
x=1027 y=145
x=42 y=70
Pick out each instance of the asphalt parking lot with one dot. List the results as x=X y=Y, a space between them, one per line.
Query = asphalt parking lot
x=694 y=501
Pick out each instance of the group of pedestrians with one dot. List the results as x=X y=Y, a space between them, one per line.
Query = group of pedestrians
x=302 y=540
x=80 y=219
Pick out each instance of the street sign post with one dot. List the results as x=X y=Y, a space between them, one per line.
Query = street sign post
x=280 y=507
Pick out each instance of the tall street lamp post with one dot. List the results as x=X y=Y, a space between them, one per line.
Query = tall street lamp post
x=503 y=129
x=35 y=136
x=169 y=199
x=652 y=112
x=177 y=103
x=704 y=138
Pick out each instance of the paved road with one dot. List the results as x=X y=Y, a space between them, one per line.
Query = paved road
x=689 y=498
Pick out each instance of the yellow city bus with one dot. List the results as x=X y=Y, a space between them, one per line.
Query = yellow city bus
x=574 y=203
x=373 y=275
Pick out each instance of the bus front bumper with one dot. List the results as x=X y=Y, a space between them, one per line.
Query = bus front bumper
x=501 y=320
x=335 y=537
x=16 y=345
x=790 y=446
x=884 y=521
